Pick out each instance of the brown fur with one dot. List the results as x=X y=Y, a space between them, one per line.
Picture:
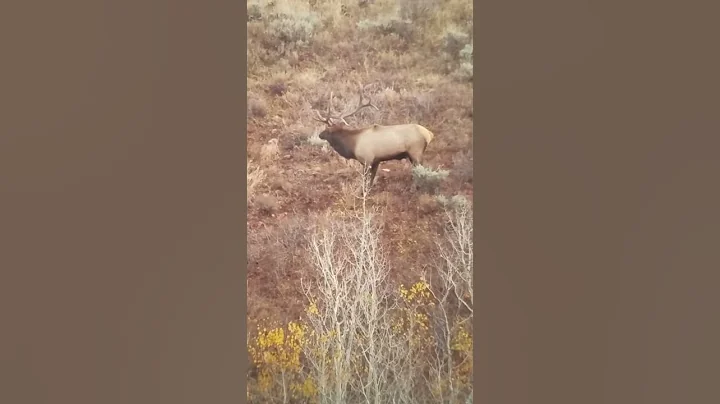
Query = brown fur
x=377 y=143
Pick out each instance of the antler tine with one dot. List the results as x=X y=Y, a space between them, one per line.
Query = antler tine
x=327 y=119
x=329 y=103
x=362 y=92
x=361 y=105
x=319 y=117
x=369 y=84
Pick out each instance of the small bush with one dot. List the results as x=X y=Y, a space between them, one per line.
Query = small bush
x=463 y=166
x=389 y=26
x=454 y=42
x=266 y=203
x=466 y=53
x=465 y=71
x=277 y=89
x=427 y=179
x=296 y=28
x=418 y=10
x=427 y=204
x=257 y=108
x=453 y=203
x=279 y=27
x=254 y=12
x=269 y=151
x=281 y=184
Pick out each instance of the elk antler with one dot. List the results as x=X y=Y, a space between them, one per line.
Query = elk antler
x=327 y=119
x=362 y=105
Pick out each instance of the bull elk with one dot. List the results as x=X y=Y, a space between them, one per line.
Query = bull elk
x=371 y=145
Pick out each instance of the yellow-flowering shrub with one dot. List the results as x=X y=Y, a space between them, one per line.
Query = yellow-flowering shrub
x=282 y=373
x=413 y=317
x=413 y=321
x=462 y=345
x=276 y=355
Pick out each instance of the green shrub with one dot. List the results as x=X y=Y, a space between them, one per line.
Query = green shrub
x=465 y=71
x=418 y=10
x=427 y=179
x=254 y=12
x=388 y=26
x=454 y=42
x=296 y=28
x=453 y=203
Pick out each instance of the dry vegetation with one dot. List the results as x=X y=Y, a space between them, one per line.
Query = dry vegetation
x=332 y=320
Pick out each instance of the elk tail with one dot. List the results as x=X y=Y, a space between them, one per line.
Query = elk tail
x=429 y=136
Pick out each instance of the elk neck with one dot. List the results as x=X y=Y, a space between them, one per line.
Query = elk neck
x=343 y=140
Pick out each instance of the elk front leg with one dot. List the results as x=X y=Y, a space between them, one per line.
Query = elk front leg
x=369 y=172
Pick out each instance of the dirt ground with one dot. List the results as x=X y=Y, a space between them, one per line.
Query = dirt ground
x=307 y=180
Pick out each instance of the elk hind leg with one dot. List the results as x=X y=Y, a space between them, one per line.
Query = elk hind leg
x=373 y=171
x=415 y=158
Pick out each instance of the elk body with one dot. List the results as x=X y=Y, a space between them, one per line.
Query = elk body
x=377 y=143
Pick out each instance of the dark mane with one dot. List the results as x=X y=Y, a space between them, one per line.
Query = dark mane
x=345 y=130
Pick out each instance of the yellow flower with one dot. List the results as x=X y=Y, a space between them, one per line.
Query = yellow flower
x=306 y=389
x=312 y=309
x=462 y=341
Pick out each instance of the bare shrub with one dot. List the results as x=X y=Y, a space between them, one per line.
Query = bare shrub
x=427 y=204
x=362 y=341
x=348 y=196
x=451 y=368
x=281 y=247
x=426 y=179
x=463 y=165
x=456 y=251
x=353 y=357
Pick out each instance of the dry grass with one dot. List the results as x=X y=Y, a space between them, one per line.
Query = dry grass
x=419 y=53
x=255 y=176
x=269 y=151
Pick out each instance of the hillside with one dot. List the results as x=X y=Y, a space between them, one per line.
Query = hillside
x=418 y=54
